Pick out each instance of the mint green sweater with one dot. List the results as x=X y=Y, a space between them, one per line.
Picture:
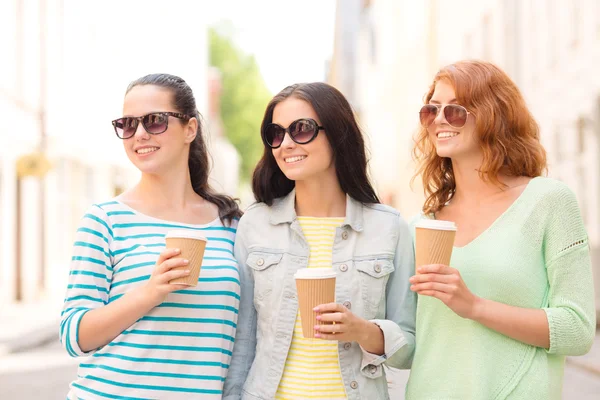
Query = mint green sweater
x=535 y=255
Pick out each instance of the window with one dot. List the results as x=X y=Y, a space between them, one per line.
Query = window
x=556 y=144
x=469 y=45
x=486 y=37
x=533 y=41
x=576 y=24
x=552 y=37
x=580 y=127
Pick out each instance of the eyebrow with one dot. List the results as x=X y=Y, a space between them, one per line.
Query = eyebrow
x=432 y=101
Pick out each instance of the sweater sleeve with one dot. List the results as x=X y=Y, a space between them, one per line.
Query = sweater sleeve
x=570 y=310
x=89 y=278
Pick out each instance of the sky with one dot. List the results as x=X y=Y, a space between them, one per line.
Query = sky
x=292 y=40
x=95 y=49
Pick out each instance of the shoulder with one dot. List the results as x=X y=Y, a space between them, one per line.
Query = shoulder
x=379 y=216
x=104 y=210
x=254 y=211
x=381 y=209
x=255 y=216
x=552 y=192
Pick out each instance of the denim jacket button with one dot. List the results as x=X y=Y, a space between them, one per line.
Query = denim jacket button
x=377 y=268
x=347 y=346
x=354 y=384
x=372 y=369
x=343 y=268
x=260 y=262
x=347 y=304
x=345 y=235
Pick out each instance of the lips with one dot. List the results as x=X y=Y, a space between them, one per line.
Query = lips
x=446 y=134
x=146 y=150
x=295 y=159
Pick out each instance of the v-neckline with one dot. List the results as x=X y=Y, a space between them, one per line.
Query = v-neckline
x=499 y=218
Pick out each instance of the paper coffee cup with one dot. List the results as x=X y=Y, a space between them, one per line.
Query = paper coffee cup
x=192 y=245
x=434 y=241
x=315 y=286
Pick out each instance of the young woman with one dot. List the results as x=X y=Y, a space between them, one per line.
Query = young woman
x=149 y=338
x=518 y=296
x=316 y=208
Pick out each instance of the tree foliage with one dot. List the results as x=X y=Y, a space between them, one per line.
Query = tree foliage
x=244 y=98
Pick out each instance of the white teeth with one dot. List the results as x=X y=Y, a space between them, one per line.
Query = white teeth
x=146 y=150
x=446 y=134
x=294 y=159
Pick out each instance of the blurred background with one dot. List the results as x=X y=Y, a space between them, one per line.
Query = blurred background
x=65 y=66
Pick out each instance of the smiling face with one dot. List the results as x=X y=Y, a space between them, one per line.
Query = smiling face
x=300 y=162
x=154 y=154
x=449 y=141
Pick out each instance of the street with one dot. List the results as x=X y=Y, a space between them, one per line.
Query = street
x=45 y=373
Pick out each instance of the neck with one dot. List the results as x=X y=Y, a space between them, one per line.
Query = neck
x=320 y=198
x=173 y=189
x=470 y=187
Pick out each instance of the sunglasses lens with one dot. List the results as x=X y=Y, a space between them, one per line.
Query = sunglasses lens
x=303 y=130
x=455 y=115
x=155 y=123
x=125 y=127
x=427 y=114
x=274 y=135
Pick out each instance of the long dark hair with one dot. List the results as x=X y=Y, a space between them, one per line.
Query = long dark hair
x=343 y=133
x=185 y=103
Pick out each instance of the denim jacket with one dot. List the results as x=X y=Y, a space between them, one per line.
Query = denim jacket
x=373 y=257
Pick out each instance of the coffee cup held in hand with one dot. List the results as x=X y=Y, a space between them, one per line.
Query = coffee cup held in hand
x=434 y=240
x=315 y=286
x=192 y=245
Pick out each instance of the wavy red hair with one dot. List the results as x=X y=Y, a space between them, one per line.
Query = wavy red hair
x=508 y=134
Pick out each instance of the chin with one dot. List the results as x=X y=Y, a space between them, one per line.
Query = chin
x=294 y=176
x=151 y=168
x=447 y=151
x=444 y=154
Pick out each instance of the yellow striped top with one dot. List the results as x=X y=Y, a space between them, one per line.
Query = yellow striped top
x=312 y=369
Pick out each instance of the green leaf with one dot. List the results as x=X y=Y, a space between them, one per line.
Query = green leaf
x=244 y=98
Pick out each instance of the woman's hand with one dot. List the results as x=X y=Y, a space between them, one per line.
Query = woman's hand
x=158 y=287
x=446 y=284
x=346 y=326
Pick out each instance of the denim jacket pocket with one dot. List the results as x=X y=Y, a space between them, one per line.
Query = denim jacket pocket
x=263 y=267
x=373 y=276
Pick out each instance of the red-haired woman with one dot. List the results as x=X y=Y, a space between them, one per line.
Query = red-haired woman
x=518 y=296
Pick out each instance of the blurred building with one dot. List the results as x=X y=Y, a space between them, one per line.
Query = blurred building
x=550 y=48
x=62 y=80
x=393 y=54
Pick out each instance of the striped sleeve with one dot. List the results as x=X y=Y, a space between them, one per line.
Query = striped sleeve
x=89 y=277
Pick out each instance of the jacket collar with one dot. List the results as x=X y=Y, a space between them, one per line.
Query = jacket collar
x=283 y=211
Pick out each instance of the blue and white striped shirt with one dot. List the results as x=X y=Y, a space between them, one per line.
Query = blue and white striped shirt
x=180 y=349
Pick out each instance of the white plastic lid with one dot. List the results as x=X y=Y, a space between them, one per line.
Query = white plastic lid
x=315 y=273
x=185 y=234
x=436 y=224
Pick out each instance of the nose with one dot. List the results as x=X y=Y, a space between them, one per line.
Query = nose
x=140 y=132
x=287 y=142
x=440 y=118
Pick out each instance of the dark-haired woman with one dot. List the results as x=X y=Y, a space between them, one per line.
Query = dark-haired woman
x=148 y=338
x=316 y=208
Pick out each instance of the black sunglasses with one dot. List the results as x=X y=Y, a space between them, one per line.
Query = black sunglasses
x=301 y=131
x=456 y=115
x=154 y=123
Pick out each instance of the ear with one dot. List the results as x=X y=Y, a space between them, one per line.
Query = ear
x=191 y=129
